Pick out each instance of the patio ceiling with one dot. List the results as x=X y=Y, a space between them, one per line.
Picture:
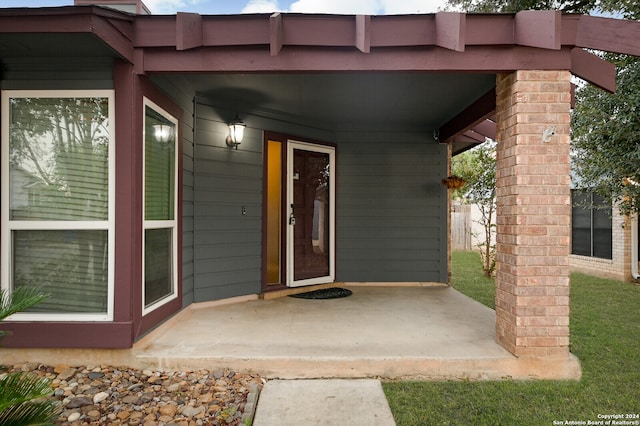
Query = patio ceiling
x=356 y=101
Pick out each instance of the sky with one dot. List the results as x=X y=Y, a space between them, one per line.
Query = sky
x=214 y=7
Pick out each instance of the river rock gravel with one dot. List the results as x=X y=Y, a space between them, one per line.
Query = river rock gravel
x=108 y=395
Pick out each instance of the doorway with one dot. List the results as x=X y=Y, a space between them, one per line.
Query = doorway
x=300 y=213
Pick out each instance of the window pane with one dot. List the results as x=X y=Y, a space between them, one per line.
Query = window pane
x=58 y=158
x=159 y=166
x=274 y=207
x=602 y=228
x=311 y=207
x=158 y=265
x=581 y=224
x=69 y=265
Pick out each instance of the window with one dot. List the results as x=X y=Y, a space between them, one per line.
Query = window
x=58 y=201
x=160 y=203
x=591 y=233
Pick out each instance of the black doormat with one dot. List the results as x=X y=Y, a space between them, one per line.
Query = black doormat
x=324 y=293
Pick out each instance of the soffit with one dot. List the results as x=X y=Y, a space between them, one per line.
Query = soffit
x=389 y=101
x=53 y=45
x=66 y=32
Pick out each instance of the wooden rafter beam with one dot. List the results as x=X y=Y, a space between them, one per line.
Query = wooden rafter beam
x=474 y=114
x=595 y=70
x=363 y=33
x=487 y=127
x=475 y=136
x=188 y=30
x=451 y=30
x=295 y=58
x=536 y=28
x=608 y=34
x=276 y=37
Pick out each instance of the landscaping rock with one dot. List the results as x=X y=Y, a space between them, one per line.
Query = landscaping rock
x=120 y=395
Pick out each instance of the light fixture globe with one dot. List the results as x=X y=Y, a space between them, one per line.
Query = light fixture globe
x=236 y=133
x=163 y=133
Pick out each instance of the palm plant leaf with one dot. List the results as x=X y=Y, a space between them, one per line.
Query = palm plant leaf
x=16 y=388
x=19 y=299
x=30 y=413
x=23 y=400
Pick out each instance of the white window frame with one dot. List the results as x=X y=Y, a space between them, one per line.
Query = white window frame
x=160 y=224
x=8 y=226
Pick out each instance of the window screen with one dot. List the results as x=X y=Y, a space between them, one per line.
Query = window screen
x=591 y=225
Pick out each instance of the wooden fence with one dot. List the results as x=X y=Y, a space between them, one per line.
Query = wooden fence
x=461 y=225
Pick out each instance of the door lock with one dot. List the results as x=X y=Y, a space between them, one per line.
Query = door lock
x=292 y=216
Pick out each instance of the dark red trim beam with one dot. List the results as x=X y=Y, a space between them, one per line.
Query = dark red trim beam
x=275 y=33
x=610 y=35
x=114 y=36
x=363 y=33
x=188 y=30
x=487 y=128
x=404 y=30
x=301 y=59
x=451 y=30
x=473 y=135
x=474 y=114
x=538 y=28
x=593 y=69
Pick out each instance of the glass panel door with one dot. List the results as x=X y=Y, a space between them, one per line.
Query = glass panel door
x=274 y=275
x=311 y=209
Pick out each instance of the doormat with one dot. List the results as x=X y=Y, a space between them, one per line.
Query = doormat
x=324 y=293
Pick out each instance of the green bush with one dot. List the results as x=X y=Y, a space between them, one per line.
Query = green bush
x=24 y=398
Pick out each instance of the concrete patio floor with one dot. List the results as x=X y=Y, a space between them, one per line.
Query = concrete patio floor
x=388 y=332
x=381 y=332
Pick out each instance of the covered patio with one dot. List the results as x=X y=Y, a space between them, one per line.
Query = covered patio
x=430 y=332
x=385 y=101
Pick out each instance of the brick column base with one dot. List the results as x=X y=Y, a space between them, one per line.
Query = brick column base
x=533 y=213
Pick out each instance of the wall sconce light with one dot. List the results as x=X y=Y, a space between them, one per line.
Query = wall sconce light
x=163 y=133
x=236 y=133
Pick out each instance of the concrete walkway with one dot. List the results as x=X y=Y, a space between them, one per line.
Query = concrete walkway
x=323 y=402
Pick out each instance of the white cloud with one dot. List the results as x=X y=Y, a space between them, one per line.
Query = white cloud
x=394 y=7
x=261 y=6
x=161 y=7
x=366 y=7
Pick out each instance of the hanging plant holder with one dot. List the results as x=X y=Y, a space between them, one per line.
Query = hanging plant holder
x=453 y=182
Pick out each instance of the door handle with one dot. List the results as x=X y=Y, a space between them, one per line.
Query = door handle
x=292 y=216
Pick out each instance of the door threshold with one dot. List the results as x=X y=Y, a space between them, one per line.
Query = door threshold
x=297 y=290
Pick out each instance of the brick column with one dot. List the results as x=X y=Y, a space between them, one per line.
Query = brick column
x=534 y=213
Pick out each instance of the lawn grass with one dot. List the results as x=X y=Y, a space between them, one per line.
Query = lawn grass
x=605 y=336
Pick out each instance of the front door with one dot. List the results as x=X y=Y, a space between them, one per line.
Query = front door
x=310 y=207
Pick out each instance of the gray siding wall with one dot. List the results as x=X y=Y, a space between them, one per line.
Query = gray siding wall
x=391 y=208
x=227 y=244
